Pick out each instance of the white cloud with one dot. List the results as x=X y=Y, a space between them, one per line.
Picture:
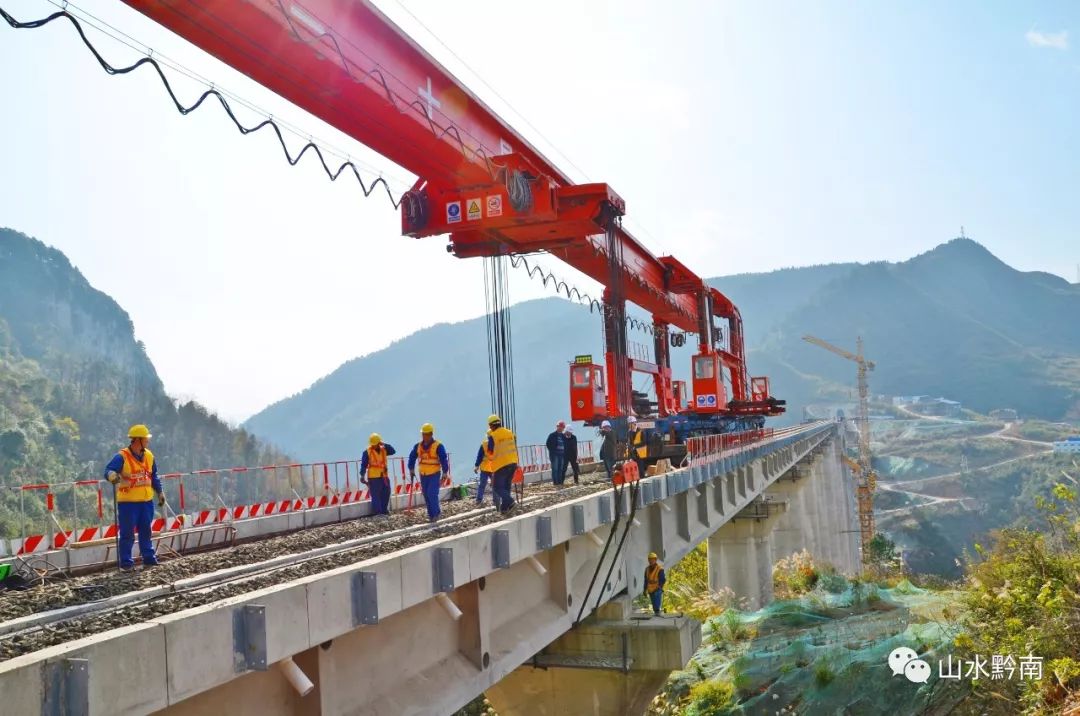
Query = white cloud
x=1056 y=40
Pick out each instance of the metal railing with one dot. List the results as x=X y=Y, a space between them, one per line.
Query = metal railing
x=52 y=515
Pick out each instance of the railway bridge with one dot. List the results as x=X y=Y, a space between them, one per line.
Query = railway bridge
x=533 y=609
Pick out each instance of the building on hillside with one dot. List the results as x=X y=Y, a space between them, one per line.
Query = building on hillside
x=1068 y=445
x=1005 y=415
x=940 y=406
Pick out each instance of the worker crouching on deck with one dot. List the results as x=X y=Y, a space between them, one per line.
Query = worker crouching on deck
x=433 y=465
x=374 y=473
x=134 y=473
x=504 y=463
x=654 y=582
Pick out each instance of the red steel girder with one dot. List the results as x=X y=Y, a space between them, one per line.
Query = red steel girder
x=348 y=64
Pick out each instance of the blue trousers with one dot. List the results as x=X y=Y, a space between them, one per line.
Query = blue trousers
x=655 y=598
x=429 y=485
x=558 y=468
x=609 y=465
x=484 y=477
x=132 y=516
x=380 y=495
x=500 y=486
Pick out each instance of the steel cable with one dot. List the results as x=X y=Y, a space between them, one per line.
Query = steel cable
x=367 y=189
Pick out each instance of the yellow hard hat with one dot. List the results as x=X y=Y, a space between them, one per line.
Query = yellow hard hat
x=652 y=555
x=375 y=439
x=427 y=428
x=139 y=431
x=492 y=419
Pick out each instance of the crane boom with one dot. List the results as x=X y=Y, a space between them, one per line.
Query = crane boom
x=479 y=180
x=349 y=65
x=839 y=351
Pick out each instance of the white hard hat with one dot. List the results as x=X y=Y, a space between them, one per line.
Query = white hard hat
x=605 y=424
x=631 y=420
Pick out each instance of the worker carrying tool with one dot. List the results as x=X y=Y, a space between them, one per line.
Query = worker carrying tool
x=433 y=465
x=654 y=582
x=636 y=444
x=134 y=475
x=374 y=474
x=503 y=446
x=484 y=461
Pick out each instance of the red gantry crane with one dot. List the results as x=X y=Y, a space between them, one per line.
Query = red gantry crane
x=486 y=186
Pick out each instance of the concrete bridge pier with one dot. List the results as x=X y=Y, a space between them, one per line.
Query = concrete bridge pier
x=611 y=664
x=813 y=509
x=848 y=520
x=828 y=513
x=841 y=550
x=793 y=529
x=741 y=555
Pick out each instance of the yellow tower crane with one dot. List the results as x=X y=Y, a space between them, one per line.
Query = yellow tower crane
x=866 y=477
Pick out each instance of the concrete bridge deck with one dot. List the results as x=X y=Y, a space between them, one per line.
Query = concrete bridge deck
x=424 y=629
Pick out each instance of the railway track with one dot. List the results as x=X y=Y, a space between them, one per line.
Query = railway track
x=56 y=613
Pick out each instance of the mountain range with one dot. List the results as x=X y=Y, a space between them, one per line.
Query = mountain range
x=954 y=321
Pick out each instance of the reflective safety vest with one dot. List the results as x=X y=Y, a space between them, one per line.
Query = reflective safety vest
x=486 y=465
x=505 y=452
x=652 y=577
x=136 y=477
x=429 y=458
x=639 y=440
x=376 y=461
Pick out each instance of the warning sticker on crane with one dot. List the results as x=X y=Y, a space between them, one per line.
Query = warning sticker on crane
x=473 y=209
x=704 y=401
x=494 y=205
x=453 y=212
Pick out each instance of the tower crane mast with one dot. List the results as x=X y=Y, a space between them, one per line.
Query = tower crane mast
x=867 y=478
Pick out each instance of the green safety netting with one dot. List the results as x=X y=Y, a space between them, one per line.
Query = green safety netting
x=827 y=653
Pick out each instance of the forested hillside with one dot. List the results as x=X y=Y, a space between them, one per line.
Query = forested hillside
x=73 y=378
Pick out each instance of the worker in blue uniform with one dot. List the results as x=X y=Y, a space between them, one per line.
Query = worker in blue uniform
x=374 y=473
x=556 y=447
x=134 y=474
x=483 y=467
x=431 y=455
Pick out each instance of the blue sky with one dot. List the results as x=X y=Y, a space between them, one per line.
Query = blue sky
x=744 y=136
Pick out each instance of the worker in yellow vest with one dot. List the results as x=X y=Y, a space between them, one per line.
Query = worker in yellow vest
x=504 y=462
x=636 y=442
x=484 y=461
x=431 y=455
x=654 y=582
x=374 y=473
x=134 y=473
